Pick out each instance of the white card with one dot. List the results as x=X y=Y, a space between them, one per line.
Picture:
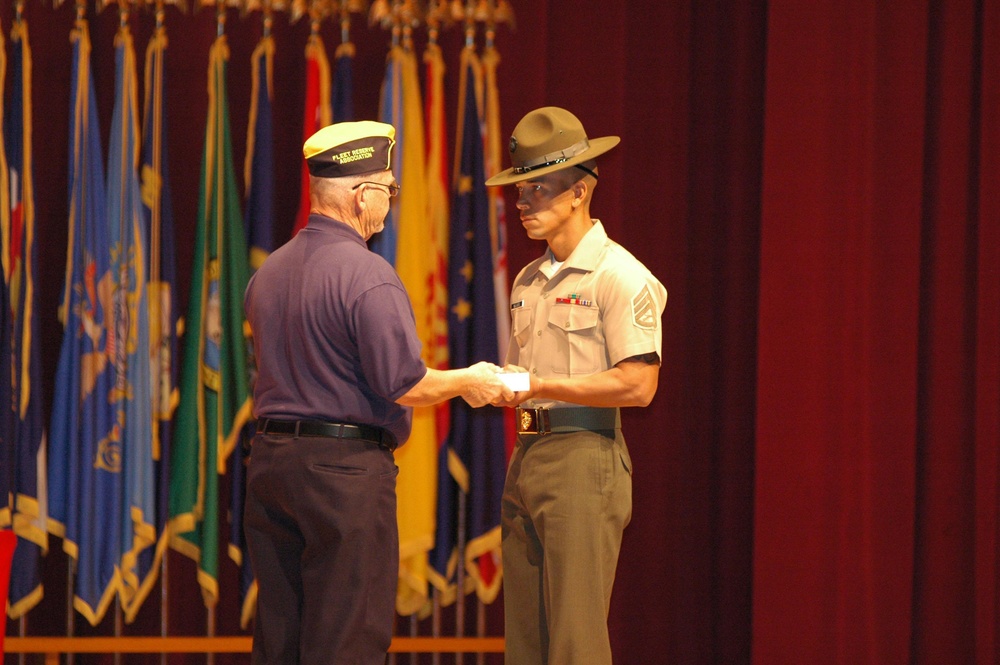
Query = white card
x=516 y=381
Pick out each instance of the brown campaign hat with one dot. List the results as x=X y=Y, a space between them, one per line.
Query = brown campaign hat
x=549 y=139
x=350 y=148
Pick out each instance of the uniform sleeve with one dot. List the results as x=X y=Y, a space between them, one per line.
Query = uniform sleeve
x=633 y=305
x=387 y=341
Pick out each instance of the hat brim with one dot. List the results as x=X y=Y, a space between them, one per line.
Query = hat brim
x=598 y=146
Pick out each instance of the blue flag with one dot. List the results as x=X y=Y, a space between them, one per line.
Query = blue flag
x=474 y=461
x=29 y=463
x=85 y=473
x=343 y=83
x=391 y=111
x=157 y=211
x=132 y=398
x=258 y=169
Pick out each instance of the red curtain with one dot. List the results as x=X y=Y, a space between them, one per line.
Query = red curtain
x=816 y=184
x=875 y=509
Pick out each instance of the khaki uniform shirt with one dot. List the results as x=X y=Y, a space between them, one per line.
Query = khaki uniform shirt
x=600 y=307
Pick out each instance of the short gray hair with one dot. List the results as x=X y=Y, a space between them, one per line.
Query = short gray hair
x=333 y=192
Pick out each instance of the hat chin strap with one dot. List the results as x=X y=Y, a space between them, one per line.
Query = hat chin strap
x=554 y=158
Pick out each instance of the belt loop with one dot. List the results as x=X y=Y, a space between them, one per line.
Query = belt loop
x=297 y=424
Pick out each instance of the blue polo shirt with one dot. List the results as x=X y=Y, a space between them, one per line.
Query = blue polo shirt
x=333 y=332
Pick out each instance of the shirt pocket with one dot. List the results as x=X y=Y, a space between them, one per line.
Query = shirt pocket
x=579 y=349
x=521 y=324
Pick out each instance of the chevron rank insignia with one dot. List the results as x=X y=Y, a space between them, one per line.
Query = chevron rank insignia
x=643 y=311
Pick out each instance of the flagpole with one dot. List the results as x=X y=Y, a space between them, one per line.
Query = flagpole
x=69 y=607
x=470 y=44
x=154 y=94
x=164 y=602
x=118 y=626
x=81 y=9
x=490 y=32
x=437 y=13
x=460 y=575
x=210 y=619
x=155 y=257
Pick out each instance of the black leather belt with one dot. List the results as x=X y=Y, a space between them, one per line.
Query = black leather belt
x=382 y=437
x=541 y=421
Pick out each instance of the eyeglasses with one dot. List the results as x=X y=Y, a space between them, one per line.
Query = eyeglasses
x=391 y=189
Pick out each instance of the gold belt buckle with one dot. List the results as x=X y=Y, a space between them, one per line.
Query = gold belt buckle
x=533 y=420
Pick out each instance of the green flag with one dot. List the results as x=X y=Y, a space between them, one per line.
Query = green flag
x=214 y=389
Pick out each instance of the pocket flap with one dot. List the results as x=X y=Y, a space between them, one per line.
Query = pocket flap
x=574 y=318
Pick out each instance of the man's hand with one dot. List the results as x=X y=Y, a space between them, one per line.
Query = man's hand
x=483 y=386
x=521 y=395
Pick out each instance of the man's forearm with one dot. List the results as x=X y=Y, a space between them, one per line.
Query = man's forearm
x=478 y=385
x=631 y=382
x=436 y=386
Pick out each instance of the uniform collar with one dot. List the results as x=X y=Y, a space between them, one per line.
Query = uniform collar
x=584 y=257
x=588 y=250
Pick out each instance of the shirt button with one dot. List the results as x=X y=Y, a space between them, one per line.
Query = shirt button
x=545 y=295
x=539 y=333
x=534 y=370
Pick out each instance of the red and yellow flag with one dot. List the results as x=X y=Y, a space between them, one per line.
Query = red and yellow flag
x=316 y=112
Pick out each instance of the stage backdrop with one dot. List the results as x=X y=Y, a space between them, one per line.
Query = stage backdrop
x=816 y=184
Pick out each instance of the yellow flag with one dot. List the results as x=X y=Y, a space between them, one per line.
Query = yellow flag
x=417 y=481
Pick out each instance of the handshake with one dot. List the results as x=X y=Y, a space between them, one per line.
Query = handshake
x=486 y=383
x=480 y=384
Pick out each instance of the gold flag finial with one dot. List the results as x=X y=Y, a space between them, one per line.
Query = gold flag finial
x=380 y=12
x=401 y=17
x=491 y=13
x=438 y=15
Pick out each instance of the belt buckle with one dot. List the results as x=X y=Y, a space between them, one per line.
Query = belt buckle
x=533 y=420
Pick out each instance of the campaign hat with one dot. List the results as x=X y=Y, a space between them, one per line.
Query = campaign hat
x=546 y=140
x=350 y=148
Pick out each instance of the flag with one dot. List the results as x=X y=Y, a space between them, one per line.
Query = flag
x=258 y=167
x=259 y=226
x=158 y=222
x=437 y=214
x=85 y=473
x=383 y=243
x=8 y=451
x=488 y=565
x=132 y=394
x=343 y=83
x=316 y=113
x=8 y=433
x=5 y=193
x=215 y=395
x=30 y=511
x=475 y=457
x=415 y=484
x=498 y=215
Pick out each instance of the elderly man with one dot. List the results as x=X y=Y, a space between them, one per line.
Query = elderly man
x=339 y=370
x=586 y=329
